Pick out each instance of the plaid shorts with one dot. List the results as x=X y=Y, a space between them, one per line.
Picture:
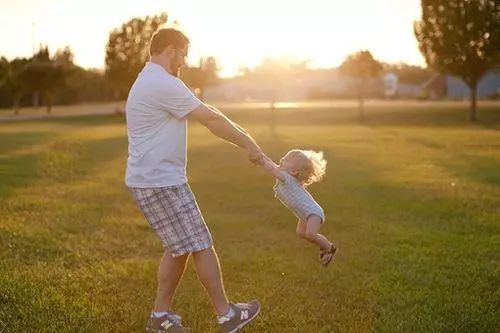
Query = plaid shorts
x=174 y=215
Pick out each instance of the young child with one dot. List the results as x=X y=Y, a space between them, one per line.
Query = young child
x=297 y=170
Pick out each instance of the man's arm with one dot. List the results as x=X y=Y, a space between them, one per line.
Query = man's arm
x=213 y=108
x=224 y=128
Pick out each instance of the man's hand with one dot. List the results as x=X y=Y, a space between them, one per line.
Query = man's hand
x=255 y=154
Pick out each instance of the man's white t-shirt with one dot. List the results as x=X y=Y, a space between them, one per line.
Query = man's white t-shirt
x=156 y=108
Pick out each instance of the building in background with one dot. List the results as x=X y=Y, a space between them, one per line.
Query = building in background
x=446 y=86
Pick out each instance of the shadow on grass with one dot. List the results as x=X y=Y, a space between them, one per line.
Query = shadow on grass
x=434 y=116
x=474 y=167
x=20 y=140
x=481 y=169
x=489 y=117
x=94 y=120
x=428 y=246
x=62 y=161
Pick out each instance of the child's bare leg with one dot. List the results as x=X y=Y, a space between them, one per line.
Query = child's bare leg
x=301 y=228
x=312 y=233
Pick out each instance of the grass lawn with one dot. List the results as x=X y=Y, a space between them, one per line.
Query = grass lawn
x=412 y=199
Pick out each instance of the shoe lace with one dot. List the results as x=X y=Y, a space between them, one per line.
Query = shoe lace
x=244 y=306
x=175 y=318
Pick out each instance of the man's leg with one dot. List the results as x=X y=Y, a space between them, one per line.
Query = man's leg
x=208 y=270
x=169 y=274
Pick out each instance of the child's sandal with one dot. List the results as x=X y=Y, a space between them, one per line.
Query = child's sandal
x=327 y=256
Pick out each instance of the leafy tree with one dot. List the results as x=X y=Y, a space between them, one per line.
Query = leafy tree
x=12 y=79
x=64 y=57
x=83 y=85
x=361 y=67
x=55 y=79
x=200 y=78
x=44 y=78
x=461 y=38
x=128 y=50
x=42 y=55
x=44 y=75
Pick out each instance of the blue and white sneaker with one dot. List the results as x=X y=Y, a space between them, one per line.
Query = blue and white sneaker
x=168 y=323
x=240 y=314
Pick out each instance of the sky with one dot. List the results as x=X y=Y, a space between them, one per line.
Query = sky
x=238 y=33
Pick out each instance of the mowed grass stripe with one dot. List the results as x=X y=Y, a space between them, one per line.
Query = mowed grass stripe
x=417 y=254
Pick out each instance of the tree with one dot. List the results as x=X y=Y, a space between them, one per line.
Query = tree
x=44 y=78
x=200 y=78
x=42 y=55
x=461 y=38
x=82 y=85
x=362 y=67
x=45 y=75
x=55 y=79
x=64 y=57
x=4 y=67
x=128 y=50
x=12 y=79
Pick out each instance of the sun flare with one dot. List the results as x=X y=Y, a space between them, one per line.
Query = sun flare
x=238 y=33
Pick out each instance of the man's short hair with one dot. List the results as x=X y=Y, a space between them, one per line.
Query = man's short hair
x=165 y=37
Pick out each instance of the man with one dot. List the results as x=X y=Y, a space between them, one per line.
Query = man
x=157 y=110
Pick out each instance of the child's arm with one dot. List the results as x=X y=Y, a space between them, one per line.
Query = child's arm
x=271 y=168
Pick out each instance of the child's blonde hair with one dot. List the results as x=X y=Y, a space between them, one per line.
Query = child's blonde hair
x=315 y=166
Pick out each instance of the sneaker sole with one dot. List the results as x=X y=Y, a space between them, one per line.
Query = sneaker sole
x=240 y=326
x=186 y=330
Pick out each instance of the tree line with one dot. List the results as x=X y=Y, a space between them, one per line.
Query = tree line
x=461 y=38
x=47 y=79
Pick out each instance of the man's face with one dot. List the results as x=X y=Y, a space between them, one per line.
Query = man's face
x=178 y=60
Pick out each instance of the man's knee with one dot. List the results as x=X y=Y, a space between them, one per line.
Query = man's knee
x=204 y=251
x=177 y=258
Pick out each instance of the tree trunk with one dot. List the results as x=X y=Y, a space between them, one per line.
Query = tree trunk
x=36 y=100
x=361 y=115
x=272 y=111
x=48 y=100
x=16 y=106
x=473 y=101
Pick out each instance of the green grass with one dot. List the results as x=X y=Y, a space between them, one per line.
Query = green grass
x=412 y=198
